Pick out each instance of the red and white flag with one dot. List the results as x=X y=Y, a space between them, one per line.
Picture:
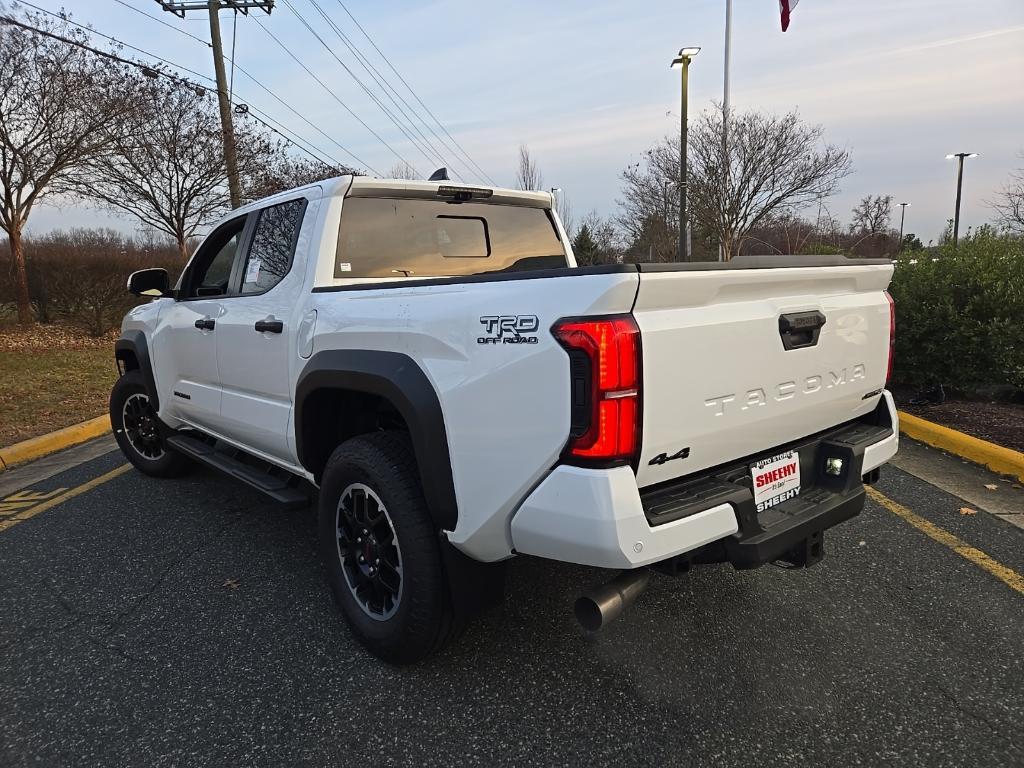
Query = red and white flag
x=786 y=7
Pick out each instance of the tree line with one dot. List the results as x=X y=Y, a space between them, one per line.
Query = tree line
x=767 y=192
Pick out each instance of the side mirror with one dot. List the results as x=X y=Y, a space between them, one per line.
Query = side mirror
x=149 y=282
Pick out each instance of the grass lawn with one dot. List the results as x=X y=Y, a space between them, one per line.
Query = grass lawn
x=51 y=378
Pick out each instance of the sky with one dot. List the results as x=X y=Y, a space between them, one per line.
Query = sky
x=587 y=85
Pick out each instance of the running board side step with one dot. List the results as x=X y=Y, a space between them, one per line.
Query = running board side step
x=263 y=476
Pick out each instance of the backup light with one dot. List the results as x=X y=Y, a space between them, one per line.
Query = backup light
x=834 y=466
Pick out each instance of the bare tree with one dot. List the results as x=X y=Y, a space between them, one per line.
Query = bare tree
x=168 y=170
x=60 y=106
x=597 y=241
x=650 y=194
x=402 y=170
x=283 y=170
x=1009 y=207
x=773 y=163
x=782 y=233
x=563 y=207
x=871 y=215
x=528 y=176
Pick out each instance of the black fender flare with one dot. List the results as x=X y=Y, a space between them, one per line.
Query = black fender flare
x=398 y=379
x=133 y=343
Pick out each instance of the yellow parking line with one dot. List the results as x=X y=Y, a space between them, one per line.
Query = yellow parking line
x=25 y=514
x=1007 y=575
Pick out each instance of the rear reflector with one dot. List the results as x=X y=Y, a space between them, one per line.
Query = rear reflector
x=892 y=336
x=604 y=358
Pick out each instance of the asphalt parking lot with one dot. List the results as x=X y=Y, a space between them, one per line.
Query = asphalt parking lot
x=186 y=622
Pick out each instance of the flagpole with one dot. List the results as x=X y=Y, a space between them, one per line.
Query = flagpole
x=725 y=108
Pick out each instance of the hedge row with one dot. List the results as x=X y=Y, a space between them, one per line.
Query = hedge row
x=960 y=313
x=78 y=277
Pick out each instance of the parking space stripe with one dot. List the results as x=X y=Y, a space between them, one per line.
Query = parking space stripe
x=1007 y=575
x=32 y=511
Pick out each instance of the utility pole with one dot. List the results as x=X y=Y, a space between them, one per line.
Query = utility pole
x=959 y=186
x=213 y=8
x=227 y=127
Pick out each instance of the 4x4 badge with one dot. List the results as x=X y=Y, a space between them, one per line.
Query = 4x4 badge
x=664 y=458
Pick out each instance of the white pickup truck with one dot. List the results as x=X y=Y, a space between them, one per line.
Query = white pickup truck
x=428 y=360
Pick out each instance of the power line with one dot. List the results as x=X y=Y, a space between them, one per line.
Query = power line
x=161 y=21
x=306 y=120
x=336 y=162
x=293 y=138
x=334 y=95
x=383 y=81
x=255 y=80
x=362 y=85
x=415 y=95
x=149 y=71
x=92 y=31
x=388 y=90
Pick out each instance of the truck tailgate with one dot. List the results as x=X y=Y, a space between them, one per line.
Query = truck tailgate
x=731 y=365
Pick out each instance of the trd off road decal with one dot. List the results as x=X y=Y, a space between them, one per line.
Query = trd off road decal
x=508 y=329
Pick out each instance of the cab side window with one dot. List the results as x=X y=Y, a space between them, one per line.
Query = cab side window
x=210 y=273
x=273 y=246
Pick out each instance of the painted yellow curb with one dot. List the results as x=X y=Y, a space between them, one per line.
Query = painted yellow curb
x=1006 y=461
x=35 y=447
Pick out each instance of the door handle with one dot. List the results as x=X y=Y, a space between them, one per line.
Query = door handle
x=800 y=329
x=269 y=326
x=205 y=324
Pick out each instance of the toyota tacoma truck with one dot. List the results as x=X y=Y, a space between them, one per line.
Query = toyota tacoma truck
x=427 y=361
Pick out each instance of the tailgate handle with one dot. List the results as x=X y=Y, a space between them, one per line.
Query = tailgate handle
x=800 y=329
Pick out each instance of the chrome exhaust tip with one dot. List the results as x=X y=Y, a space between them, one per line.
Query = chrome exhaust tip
x=598 y=607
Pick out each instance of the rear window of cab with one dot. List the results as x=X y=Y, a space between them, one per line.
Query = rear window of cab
x=384 y=237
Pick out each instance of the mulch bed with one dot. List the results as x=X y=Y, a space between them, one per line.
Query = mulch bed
x=999 y=423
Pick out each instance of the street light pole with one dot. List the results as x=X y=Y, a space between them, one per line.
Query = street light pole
x=725 y=111
x=903 y=213
x=959 y=186
x=683 y=61
x=554 y=199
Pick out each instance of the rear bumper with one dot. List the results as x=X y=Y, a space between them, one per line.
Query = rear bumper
x=600 y=518
x=595 y=517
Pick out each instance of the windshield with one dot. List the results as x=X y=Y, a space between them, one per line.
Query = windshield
x=382 y=237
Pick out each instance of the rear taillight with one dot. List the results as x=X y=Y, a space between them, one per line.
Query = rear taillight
x=892 y=336
x=604 y=367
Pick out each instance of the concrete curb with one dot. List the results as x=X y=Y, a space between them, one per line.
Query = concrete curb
x=1005 y=461
x=27 y=450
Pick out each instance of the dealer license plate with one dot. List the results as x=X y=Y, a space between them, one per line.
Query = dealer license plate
x=775 y=479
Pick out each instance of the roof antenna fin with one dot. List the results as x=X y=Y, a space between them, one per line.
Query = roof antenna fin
x=441 y=174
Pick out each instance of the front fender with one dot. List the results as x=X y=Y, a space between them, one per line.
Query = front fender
x=132 y=346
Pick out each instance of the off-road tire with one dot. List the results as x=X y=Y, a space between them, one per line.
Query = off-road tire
x=141 y=440
x=419 y=621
